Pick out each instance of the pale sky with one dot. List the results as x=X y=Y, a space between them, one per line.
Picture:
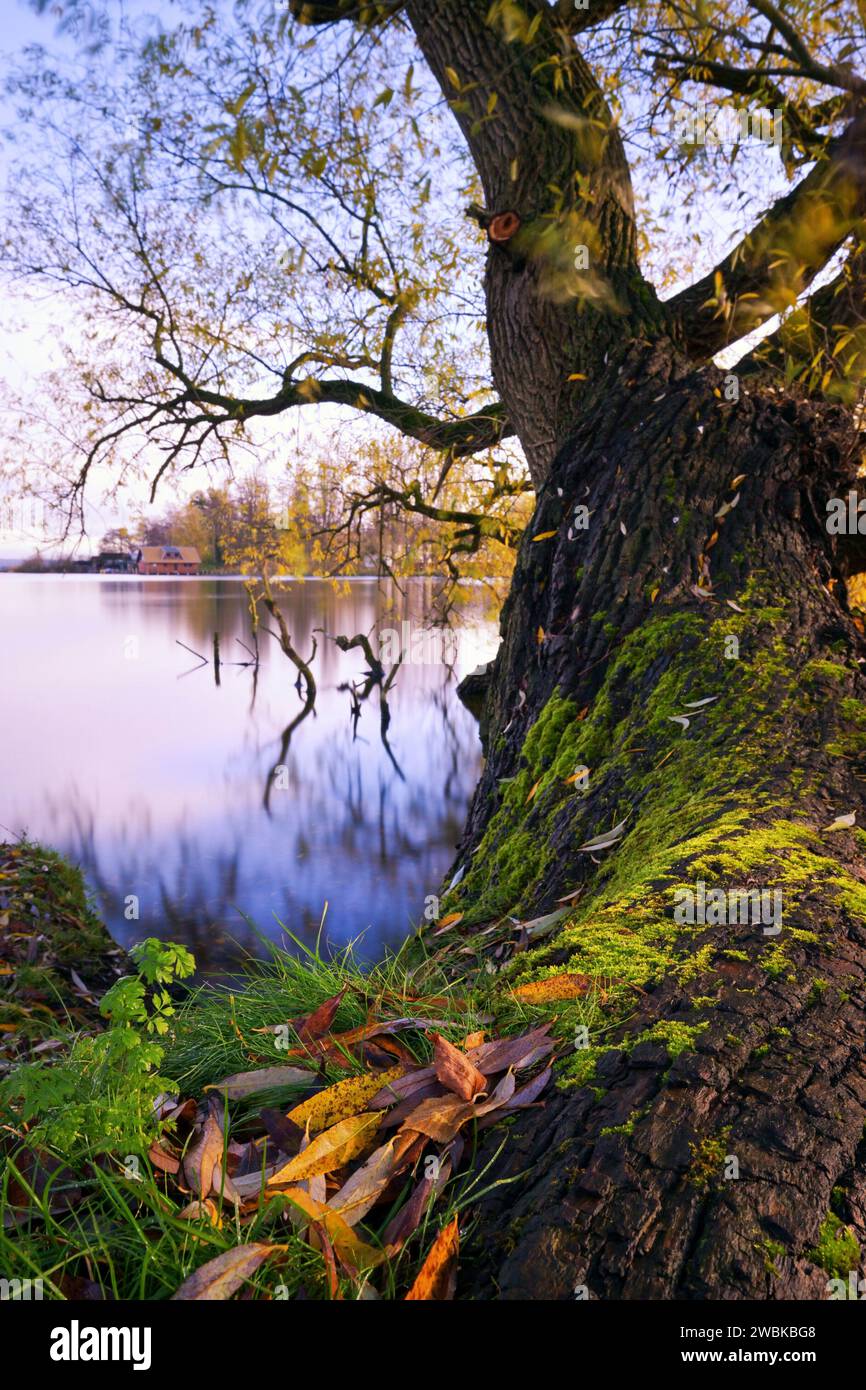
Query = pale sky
x=28 y=326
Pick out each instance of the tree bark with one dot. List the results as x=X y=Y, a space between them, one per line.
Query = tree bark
x=546 y=146
x=709 y=1042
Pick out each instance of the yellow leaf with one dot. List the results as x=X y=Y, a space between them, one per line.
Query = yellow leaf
x=343 y=1238
x=339 y=1102
x=436 y=1277
x=539 y=636
x=577 y=376
x=533 y=791
x=330 y=1150
x=451 y=920
x=654 y=595
x=568 y=986
x=543 y=536
x=453 y=78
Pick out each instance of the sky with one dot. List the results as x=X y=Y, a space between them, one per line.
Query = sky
x=29 y=325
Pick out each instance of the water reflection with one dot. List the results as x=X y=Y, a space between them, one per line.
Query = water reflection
x=150 y=767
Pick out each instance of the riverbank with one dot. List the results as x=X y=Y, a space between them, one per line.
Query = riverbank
x=317 y=1134
x=57 y=958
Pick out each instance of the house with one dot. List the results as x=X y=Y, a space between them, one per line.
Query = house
x=114 y=562
x=168 y=559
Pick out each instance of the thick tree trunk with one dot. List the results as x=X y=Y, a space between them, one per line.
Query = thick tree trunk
x=697 y=1146
x=560 y=290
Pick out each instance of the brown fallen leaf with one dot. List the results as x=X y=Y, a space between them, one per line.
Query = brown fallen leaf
x=363 y=1189
x=518 y=1052
x=410 y=1216
x=201 y=1211
x=454 y=1069
x=340 y=1101
x=316 y=1024
x=401 y=1087
x=330 y=1149
x=440 y=1117
x=202 y=1157
x=162 y=1159
x=247 y=1083
x=223 y=1276
x=395 y=1116
x=565 y=986
x=348 y=1245
x=437 y=1277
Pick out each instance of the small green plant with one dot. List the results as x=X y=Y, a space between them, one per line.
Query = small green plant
x=100 y=1096
x=838 y=1250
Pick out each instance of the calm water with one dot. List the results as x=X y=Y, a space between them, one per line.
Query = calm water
x=122 y=751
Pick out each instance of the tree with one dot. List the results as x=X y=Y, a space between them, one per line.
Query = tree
x=675 y=722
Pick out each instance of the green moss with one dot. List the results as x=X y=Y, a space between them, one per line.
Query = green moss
x=772 y=1250
x=837 y=1251
x=708 y=1157
x=817 y=671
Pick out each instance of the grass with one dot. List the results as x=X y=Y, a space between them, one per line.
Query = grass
x=123 y=1232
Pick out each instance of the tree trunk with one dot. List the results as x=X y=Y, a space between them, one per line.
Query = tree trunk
x=717 y=1115
x=560 y=289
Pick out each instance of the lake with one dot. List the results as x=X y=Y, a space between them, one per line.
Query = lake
x=149 y=768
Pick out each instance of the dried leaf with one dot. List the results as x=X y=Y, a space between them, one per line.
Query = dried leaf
x=316 y=1024
x=341 y=1100
x=348 y=1245
x=247 y=1083
x=518 y=1053
x=223 y=1276
x=202 y=1157
x=363 y=1189
x=437 y=1277
x=440 y=1117
x=565 y=986
x=330 y=1150
x=454 y=1069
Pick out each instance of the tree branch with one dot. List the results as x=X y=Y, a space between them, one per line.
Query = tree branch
x=780 y=257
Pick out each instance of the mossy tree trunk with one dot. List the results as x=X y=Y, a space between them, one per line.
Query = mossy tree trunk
x=717 y=1115
x=680 y=668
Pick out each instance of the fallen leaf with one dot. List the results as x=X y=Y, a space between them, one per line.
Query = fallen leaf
x=223 y=1276
x=363 y=1189
x=450 y=920
x=518 y=1052
x=347 y=1244
x=247 y=1083
x=544 y=536
x=440 y=1117
x=201 y=1211
x=330 y=1149
x=343 y=1099
x=454 y=1069
x=202 y=1157
x=842 y=822
x=437 y=1277
x=566 y=986
x=604 y=841
x=316 y=1024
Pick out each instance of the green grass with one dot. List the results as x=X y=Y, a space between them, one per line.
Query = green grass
x=124 y=1231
